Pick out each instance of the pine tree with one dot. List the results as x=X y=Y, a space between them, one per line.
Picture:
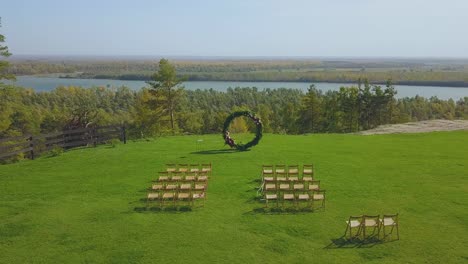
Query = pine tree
x=166 y=91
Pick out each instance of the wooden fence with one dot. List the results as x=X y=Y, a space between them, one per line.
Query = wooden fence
x=33 y=146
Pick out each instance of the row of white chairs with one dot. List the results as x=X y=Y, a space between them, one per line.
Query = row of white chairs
x=164 y=177
x=186 y=186
x=376 y=223
x=307 y=170
x=176 y=197
x=310 y=186
x=296 y=197
x=194 y=168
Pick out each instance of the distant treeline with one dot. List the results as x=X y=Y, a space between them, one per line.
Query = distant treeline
x=342 y=77
x=203 y=111
x=409 y=73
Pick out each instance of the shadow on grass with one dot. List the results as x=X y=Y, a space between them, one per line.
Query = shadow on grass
x=256 y=181
x=217 y=151
x=154 y=207
x=279 y=211
x=253 y=199
x=168 y=209
x=346 y=243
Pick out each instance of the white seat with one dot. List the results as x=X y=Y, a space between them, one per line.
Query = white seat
x=388 y=222
x=298 y=186
x=370 y=222
x=153 y=196
x=183 y=195
x=353 y=223
x=318 y=196
x=171 y=187
x=186 y=186
x=157 y=187
x=168 y=195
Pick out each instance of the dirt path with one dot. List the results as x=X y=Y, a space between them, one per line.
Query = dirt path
x=419 y=127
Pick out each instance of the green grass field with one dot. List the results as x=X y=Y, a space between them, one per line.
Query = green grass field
x=85 y=205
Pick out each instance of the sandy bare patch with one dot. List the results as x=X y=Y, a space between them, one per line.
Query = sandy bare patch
x=419 y=127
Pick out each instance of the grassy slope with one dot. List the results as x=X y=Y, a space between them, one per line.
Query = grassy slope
x=84 y=206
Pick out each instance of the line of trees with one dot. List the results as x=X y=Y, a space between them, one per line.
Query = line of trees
x=442 y=73
x=203 y=111
x=164 y=107
x=348 y=110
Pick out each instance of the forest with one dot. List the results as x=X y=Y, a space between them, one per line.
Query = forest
x=288 y=111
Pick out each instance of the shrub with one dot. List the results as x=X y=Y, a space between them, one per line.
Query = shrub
x=113 y=142
x=55 y=151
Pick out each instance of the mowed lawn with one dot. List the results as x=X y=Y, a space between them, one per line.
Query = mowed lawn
x=86 y=206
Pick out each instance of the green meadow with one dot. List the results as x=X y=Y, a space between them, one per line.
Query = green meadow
x=88 y=205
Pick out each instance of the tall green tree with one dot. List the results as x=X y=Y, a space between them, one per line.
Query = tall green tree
x=310 y=114
x=4 y=53
x=348 y=99
x=166 y=91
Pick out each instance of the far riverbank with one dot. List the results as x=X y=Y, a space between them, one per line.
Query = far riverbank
x=50 y=83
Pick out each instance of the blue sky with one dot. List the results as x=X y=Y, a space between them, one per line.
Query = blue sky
x=369 y=28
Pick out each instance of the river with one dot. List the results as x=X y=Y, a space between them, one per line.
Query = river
x=50 y=83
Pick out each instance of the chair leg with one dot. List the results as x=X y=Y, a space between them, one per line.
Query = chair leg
x=351 y=233
x=373 y=232
x=391 y=230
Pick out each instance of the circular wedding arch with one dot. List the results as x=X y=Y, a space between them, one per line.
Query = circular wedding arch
x=258 y=133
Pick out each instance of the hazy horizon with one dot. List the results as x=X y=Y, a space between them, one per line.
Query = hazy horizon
x=234 y=59
x=260 y=29
x=266 y=57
